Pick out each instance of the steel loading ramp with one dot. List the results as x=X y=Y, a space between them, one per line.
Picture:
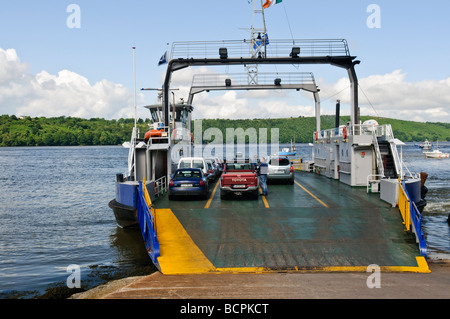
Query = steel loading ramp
x=317 y=224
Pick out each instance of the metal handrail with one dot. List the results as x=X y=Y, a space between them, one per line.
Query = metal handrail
x=404 y=205
x=161 y=185
x=417 y=222
x=212 y=80
x=411 y=216
x=274 y=48
x=147 y=224
x=378 y=155
x=394 y=151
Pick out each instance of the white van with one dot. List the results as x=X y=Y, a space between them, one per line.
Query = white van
x=193 y=162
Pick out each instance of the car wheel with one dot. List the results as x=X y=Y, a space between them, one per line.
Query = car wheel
x=223 y=194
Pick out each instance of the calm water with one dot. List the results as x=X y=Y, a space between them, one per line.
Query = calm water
x=54 y=213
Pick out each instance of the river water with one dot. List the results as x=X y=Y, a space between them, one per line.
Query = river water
x=54 y=213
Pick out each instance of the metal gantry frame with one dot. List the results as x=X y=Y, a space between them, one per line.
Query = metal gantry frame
x=236 y=81
x=334 y=52
x=280 y=52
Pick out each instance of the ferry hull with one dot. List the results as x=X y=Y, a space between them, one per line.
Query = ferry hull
x=124 y=205
x=126 y=216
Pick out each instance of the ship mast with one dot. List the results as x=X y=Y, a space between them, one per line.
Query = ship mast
x=258 y=36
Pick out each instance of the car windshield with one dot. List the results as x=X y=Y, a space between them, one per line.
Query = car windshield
x=185 y=164
x=197 y=164
x=279 y=161
x=181 y=174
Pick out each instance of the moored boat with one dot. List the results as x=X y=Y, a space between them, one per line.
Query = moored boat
x=286 y=151
x=426 y=145
x=436 y=154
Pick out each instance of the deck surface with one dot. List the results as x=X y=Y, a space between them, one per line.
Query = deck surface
x=315 y=224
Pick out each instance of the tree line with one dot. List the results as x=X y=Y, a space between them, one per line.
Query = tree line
x=64 y=131
x=67 y=131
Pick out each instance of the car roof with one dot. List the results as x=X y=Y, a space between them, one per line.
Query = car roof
x=191 y=158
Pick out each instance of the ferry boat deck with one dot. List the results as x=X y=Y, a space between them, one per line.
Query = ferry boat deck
x=317 y=224
x=320 y=223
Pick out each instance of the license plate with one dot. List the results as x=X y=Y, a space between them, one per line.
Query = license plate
x=280 y=171
x=239 y=186
x=186 y=185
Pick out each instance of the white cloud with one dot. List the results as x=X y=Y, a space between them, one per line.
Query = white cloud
x=66 y=93
x=391 y=95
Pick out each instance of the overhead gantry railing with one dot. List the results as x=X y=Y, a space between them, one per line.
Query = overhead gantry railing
x=273 y=48
x=266 y=80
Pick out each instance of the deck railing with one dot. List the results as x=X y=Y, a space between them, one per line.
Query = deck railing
x=160 y=186
x=411 y=217
x=367 y=129
x=147 y=222
x=359 y=129
x=274 y=48
x=404 y=205
x=161 y=138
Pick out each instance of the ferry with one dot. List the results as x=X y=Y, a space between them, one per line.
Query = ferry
x=353 y=205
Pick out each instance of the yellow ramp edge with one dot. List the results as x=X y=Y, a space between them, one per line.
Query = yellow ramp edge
x=180 y=255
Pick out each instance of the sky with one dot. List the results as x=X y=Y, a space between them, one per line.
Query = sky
x=75 y=58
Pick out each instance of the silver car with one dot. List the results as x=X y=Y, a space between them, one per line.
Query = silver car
x=280 y=168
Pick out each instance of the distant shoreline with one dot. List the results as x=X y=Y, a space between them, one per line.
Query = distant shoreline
x=72 y=131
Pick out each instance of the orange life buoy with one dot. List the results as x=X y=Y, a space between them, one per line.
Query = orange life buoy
x=315 y=135
x=344 y=132
x=152 y=133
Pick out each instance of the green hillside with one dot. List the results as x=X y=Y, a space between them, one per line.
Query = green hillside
x=302 y=128
x=62 y=131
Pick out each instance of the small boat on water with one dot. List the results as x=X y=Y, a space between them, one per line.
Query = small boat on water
x=426 y=145
x=435 y=154
x=287 y=152
x=292 y=151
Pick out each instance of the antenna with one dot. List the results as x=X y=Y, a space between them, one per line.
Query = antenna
x=258 y=44
x=135 y=133
x=134 y=75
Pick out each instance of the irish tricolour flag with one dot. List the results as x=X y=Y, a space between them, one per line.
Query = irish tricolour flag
x=270 y=3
